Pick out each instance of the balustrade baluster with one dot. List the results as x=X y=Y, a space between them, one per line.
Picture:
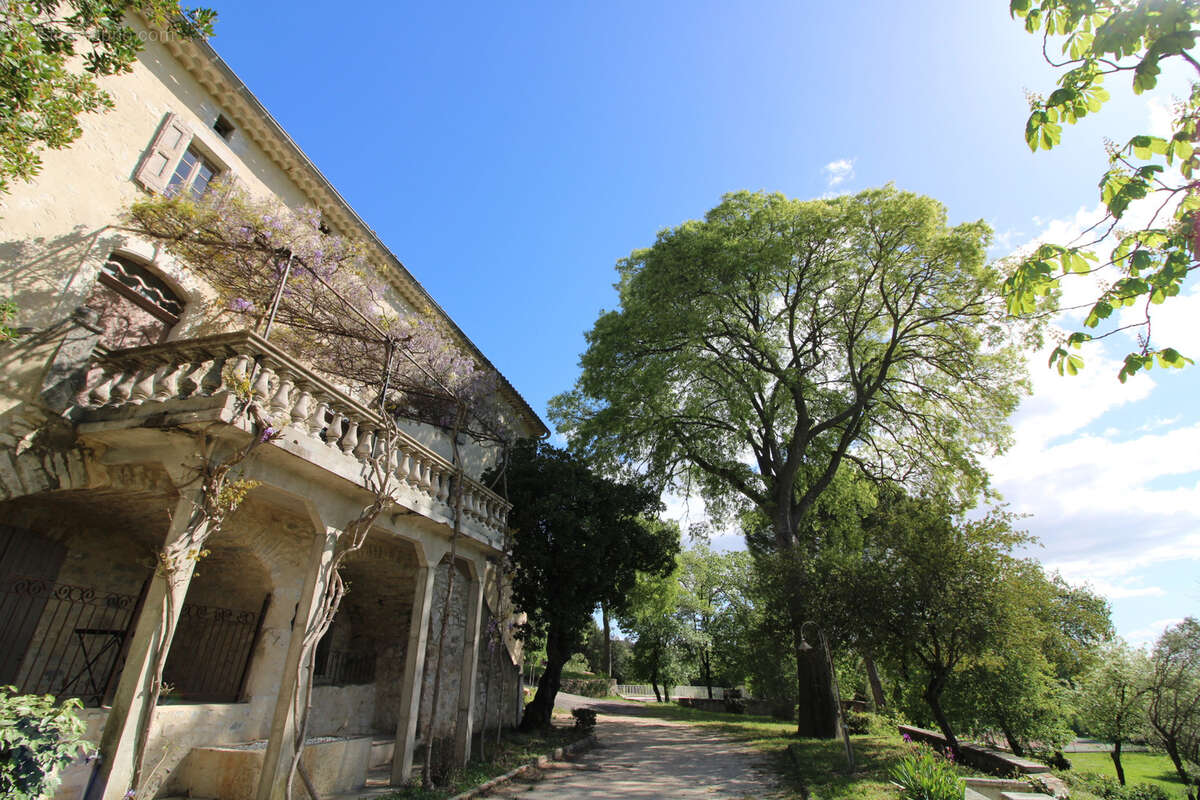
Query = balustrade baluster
x=167 y=386
x=366 y=442
x=211 y=380
x=302 y=410
x=320 y=417
x=261 y=389
x=281 y=402
x=350 y=440
x=122 y=389
x=144 y=388
x=340 y=421
x=99 y=393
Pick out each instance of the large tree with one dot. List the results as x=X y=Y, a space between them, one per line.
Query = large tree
x=1134 y=40
x=1112 y=699
x=580 y=539
x=52 y=51
x=757 y=350
x=1174 y=700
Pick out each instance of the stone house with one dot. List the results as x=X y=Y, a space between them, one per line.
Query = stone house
x=118 y=365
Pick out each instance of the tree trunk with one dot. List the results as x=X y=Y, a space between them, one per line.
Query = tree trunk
x=877 y=696
x=608 y=670
x=1014 y=744
x=541 y=707
x=1116 y=757
x=654 y=686
x=706 y=665
x=666 y=693
x=816 y=716
x=1171 y=745
x=933 y=697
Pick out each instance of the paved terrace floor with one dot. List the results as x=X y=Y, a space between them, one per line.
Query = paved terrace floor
x=639 y=756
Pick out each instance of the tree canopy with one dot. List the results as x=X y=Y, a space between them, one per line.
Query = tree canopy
x=757 y=349
x=580 y=539
x=44 y=89
x=1134 y=39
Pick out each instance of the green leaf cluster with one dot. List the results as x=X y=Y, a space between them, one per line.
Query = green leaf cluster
x=43 y=91
x=1103 y=38
x=38 y=737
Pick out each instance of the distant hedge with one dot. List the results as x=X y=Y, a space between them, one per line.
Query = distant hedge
x=593 y=687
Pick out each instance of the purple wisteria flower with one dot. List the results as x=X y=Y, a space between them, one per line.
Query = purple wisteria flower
x=267 y=434
x=241 y=304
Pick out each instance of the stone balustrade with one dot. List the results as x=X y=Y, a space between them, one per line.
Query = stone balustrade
x=298 y=402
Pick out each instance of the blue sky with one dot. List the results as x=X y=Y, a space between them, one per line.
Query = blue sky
x=509 y=154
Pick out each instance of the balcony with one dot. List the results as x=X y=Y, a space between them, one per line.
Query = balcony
x=195 y=383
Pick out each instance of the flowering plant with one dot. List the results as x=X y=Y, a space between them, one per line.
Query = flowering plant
x=926 y=774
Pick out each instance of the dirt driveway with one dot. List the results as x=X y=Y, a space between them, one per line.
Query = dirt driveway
x=640 y=756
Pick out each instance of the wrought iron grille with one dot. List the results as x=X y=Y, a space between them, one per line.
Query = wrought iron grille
x=72 y=637
x=343 y=667
x=211 y=653
x=69 y=641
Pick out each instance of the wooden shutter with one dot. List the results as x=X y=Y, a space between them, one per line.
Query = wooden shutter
x=159 y=162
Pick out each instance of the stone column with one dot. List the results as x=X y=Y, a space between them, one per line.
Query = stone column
x=130 y=708
x=277 y=761
x=414 y=662
x=470 y=666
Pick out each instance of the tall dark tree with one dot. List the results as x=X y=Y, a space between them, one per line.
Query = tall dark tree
x=759 y=349
x=579 y=542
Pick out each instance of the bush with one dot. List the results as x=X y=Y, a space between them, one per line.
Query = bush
x=585 y=719
x=734 y=702
x=925 y=774
x=37 y=738
x=1108 y=788
x=874 y=724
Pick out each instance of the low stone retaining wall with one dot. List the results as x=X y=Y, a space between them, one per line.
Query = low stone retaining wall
x=757 y=708
x=989 y=759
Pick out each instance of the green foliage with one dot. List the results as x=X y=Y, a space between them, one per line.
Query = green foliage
x=38 y=736
x=796 y=332
x=8 y=315
x=1174 y=699
x=1133 y=38
x=43 y=92
x=1108 y=788
x=1112 y=698
x=579 y=540
x=925 y=774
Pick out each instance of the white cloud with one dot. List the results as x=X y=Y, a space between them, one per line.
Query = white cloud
x=838 y=172
x=1148 y=635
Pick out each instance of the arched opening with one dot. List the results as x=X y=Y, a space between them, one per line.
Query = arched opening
x=73 y=567
x=219 y=625
x=135 y=306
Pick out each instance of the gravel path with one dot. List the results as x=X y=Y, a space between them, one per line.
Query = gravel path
x=641 y=756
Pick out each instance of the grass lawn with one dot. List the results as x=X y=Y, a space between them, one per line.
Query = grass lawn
x=516 y=749
x=815 y=766
x=1139 y=768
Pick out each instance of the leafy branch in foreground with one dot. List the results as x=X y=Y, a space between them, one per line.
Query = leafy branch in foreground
x=1131 y=38
x=42 y=92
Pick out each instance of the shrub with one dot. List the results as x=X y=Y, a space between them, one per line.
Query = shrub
x=585 y=719
x=37 y=738
x=925 y=774
x=734 y=702
x=1108 y=788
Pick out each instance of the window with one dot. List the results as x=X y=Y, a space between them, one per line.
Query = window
x=175 y=161
x=135 y=306
x=223 y=127
x=193 y=173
